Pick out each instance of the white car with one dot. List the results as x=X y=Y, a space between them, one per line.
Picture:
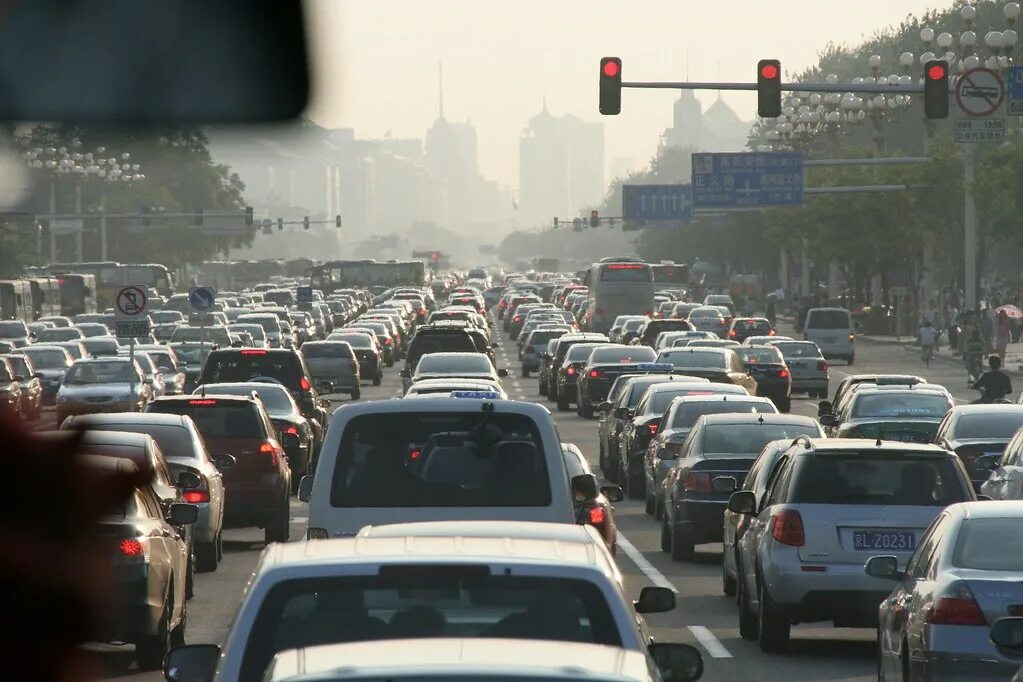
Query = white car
x=306 y=594
x=434 y=388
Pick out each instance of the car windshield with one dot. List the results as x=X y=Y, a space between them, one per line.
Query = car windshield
x=579 y=352
x=622 y=354
x=85 y=372
x=990 y=544
x=47 y=358
x=798 y=350
x=440 y=460
x=1001 y=426
x=192 y=354
x=541 y=337
x=899 y=404
x=218 y=335
x=12 y=329
x=828 y=319
x=327 y=350
x=687 y=414
x=883 y=478
x=276 y=399
x=268 y=323
x=747 y=440
x=694 y=359
x=454 y=363
x=762 y=356
x=215 y=418
x=712 y=313
x=406 y=600
x=239 y=366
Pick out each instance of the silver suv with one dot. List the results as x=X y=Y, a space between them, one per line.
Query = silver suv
x=828 y=506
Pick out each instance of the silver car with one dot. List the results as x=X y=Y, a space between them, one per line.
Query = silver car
x=829 y=505
x=113 y=384
x=966 y=573
x=709 y=319
x=807 y=366
x=333 y=366
x=167 y=362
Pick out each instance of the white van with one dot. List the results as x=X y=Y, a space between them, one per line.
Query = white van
x=439 y=459
x=833 y=331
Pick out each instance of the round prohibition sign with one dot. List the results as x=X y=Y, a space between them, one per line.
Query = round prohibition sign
x=131 y=301
x=980 y=92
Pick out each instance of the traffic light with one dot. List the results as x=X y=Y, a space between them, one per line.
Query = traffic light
x=435 y=255
x=248 y=215
x=936 y=89
x=337 y=221
x=305 y=223
x=769 y=88
x=594 y=219
x=610 y=86
x=555 y=222
x=280 y=224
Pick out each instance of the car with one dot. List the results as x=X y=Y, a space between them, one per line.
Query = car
x=722 y=365
x=745 y=327
x=593 y=505
x=833 y=331
x=979 y=434
x=767 y=366
x=420 y=460
x=627 y=329
x=711 y=343
x=367 y=352
x=757 y=340
x=166 y=362
x=271 y=325
x=113 y=384
x=25 y=374
x=718 y=452
x=434 y=388
x=191 y=357
x=909 y=414
x=186 y=457
x=257 y=488
x=535 y=344
x=720 y=300
x=16 y=333
x=684 y=410
x=58 y=334
x=91 y=329
x=52 y=362
x=143 y=535
x=602 y=367
x=566 y=376
x=965 y=574
x=460 y=365
x=668 y=339
x=102 y=346
x=852 y=381
x=651 y=329
x=710 y=319
x=829 y=505
x=355 y=589
x=807 y=367
x=10 y=391
x=56 y=320
x=334 y=367
x=150 y=372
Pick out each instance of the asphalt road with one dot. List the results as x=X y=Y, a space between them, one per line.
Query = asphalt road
x=704 y=615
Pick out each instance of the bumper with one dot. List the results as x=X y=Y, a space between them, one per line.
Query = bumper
x=818 y=384
x=964 y=652
x=341 y=383
x=251 y=504
x=704 y=519
x=842 y=593
x=131 y=616
x=368 y=368
x=531 y=363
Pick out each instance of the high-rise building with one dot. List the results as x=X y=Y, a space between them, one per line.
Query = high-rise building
x=718 y=129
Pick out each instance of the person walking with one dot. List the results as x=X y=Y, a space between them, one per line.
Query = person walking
x=953 y=327
x=1003 y=333
x=928 y=341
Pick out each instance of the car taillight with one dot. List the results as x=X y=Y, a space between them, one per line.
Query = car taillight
x=517 y=318
x=783 y=373
x=253 y=351
x=268 y=448
x=131 y=547
x=387 y=342
x=822 y=365
x=697 y=481
x=652 y=427
x=596 y=516
x=956 y=606
x=594 y=373
x=195 y=496
x=304 y=384
x=787 y=528
x=570 y=370
x=203 y=401
x=733 y=333
x=291 y=431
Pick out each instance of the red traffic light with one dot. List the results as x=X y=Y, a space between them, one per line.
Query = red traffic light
x=611 y=68
x=434 y=256
x=769 y=71
x=937 y=72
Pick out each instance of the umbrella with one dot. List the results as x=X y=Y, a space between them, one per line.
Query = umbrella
x=1010 y=310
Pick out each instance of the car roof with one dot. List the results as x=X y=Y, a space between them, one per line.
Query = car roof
x=206 y=396
x=723 y=398
x=873 y=389
x=676 y=350
x=840 y=445
x=569 y=532
x=988 y=509
x=684 y=382
x=130 y=438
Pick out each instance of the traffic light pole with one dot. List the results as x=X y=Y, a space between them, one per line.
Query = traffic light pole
x=915 y=88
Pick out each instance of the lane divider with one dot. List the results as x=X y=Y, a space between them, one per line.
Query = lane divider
x=649 y=570
x=709 y=642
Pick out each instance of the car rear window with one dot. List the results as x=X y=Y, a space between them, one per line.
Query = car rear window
x=994 y=426
x=994 y=544
x=730 y=440
x=753 y=325
x=899 y=405
x=686 y=415
x=354 y=340
x=541 y=337
x=327 y=350
x=695 y=359
x=47 y=358
x=623 y=354
x=242 y=366
x=799 y=350
x=425 y=601
x=579 y=352
x=215 y=418
x=457 y=363
x=764 y=356
x=888 y=478
x=440 y=460
x=828 y=319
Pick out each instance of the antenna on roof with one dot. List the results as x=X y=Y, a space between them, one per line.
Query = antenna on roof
x=760 y=418
x=878 y=443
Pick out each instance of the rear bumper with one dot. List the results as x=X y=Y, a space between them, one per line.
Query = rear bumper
x=842 y=593
x=131 y=616
x=816 y=384
x=253 y=505
x=703 y=519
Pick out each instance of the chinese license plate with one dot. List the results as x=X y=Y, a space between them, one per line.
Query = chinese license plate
x=905 y=436
x=870 y=540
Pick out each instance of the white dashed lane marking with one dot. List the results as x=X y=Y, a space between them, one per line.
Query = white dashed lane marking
x=649 y=570
x=711 y=643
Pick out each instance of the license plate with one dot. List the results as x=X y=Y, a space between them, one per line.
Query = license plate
x=905 y=437
x=871 y=540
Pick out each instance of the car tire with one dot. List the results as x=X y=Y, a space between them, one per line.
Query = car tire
x=150 y=650
x=525 y=373
x=377 y=379
x=563 y=404
x=356 y=394
x=747 y=619
x=727 y=582
x=682 y=547
x=773 y=629
x=280 y=528
x=665 y=535
x=587 y=410
x=658 y=509
x=206 y=559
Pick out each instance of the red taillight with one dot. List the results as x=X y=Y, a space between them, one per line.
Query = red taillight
x=415 y=454
x=253 y=351
x=517 y=318
x=783 y=373
x=787 y=528
x=304 y=384
x=733 y=333
x=195 y=496
x=131 y=547
x=697 y=481
x=204 y=401
x=291 y=431
x=594 y=373
x=822 y=365
x=570 y=370
x=387 y=342
x=268 y=448
x=596 y=516
x=956 y=607
x=422 y=311
x=652 y=427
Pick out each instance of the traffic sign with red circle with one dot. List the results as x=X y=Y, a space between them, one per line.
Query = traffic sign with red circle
x=130 y=302
x=980 y=92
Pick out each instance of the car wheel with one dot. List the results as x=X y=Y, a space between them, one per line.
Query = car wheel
x=377 y=379
x=773 y=629
x=279 y=529
x=206 y=558
x=727 y=582
x=587 y=410
x=651 y=504
x=563 y=404
x=682 y=547
x=356 y=394
x=150 y=650
x=665 y=535
x=747 y=619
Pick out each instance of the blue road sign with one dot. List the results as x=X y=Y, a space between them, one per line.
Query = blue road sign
x=304 y=294
x=746 y=180
x=657 y=202
x=1014 y=88
x=201 y=298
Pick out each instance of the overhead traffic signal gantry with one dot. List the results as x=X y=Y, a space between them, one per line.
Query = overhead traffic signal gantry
x=610 y=86
x=936 y=89
x=769 y=88
x=594 y=219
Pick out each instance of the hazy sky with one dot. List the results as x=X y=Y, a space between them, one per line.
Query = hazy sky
x=376 y=60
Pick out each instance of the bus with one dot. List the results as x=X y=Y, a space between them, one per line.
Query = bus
x=77 y=294
x=111 y=276
x=45 y=296
x=340 y=274
x=671 y=274
x=618 y=287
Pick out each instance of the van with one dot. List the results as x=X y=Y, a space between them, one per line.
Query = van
x=833 y=331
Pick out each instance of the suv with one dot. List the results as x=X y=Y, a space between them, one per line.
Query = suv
x=257 y=488
x=829 y=505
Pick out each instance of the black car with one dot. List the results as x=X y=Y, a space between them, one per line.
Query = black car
x=976 y=431
x=617 y=411
x=767 y=366
x=744 y=327
x=603 y=367
x=651 y=329
x=567 y=376
x=561 y=348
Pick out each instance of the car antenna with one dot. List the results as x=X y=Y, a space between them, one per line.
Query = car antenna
x=760 y=418
x=878 y=443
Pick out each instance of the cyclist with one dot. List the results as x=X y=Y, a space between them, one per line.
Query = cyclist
x=973 y=351
x=993 y=384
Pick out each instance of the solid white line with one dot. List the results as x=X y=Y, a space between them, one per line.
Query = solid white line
x=655 y=576
x=711 y=643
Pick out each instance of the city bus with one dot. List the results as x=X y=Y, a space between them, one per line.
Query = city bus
x=111 y=276
x=671 y=274
x=618 y=286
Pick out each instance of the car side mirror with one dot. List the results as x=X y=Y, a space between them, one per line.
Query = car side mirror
x=655 y=600
x=622 y=413
x=884 y=567
x=1007 y=633
x=502 y=373
x=224 y=461
x=584 y=487
x=678 y=662
x=188 y=480
x=181 y=514
x=305 y=488
x=191 y=663
x=742 y=502
x=828 y=419
x=724 y=484
x=613 y=493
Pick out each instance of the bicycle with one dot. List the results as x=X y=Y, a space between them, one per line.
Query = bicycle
x=927 y=355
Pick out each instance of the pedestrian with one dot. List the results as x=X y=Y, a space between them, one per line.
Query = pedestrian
x=770 y=312
x=928 y=341
x=987 y=328
x=1003 y=332
x=993 y=384
x=953 y=327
